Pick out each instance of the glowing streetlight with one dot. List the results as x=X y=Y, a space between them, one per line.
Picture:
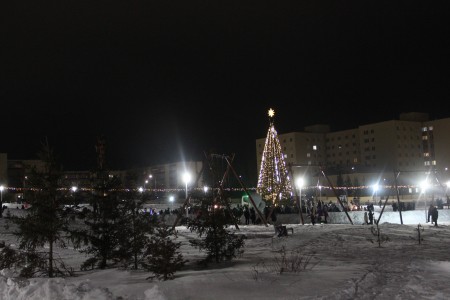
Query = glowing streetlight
x=74 y=189
x=205 y=189
x=1 y=200
x=171 y=199
x=375 y=188
x=150 y=177
x=320 y=193
x=423 y=188
x=187 y=179
x=140 y=189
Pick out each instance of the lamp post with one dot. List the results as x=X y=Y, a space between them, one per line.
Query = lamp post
x=423 y=189
x=186 y=179
x=171 y=198
x=375 y=192
x=320 y=193
x=300 y=183
x=205 y=189
x=74 y=203
x=151 y=176
x=1 y=200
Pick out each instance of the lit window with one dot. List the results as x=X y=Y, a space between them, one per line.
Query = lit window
x=315 y=147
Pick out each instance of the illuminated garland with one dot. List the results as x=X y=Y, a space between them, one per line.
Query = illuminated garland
x=312 y=187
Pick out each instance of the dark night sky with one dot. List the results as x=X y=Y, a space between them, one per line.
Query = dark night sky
x=167 y=80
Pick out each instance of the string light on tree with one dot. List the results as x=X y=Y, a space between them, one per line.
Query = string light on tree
x=273 y=181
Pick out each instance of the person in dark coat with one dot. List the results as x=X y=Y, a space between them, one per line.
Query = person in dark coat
x=434 y=215
x=325 y=213
x=246 y=215
x=253 y=215
x=370 y=217
x=430 y=211
x=312 y=215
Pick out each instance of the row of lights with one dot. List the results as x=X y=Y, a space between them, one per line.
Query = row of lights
x=424 y=185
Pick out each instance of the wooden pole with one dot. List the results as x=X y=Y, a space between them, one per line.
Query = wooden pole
x=186 y=201
x=221 y=199
x=248 y=194
x=382 y=210
x=334 y=191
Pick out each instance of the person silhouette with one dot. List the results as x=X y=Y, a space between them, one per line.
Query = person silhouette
x=366 y=218
x=434 y=215
x=370 y=217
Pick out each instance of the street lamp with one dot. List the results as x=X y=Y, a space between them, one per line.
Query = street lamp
x=320 y=193
x=375 y=190
x=187 y=179
x=140 y=189
x=299 y=184
x=1 y=200
x=151 y=176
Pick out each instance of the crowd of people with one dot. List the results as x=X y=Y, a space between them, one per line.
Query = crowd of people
x=316 y=210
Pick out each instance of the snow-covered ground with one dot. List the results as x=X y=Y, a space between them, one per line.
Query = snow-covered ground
x=345 y=263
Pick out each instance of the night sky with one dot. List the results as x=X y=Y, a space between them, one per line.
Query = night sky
x=168 y=80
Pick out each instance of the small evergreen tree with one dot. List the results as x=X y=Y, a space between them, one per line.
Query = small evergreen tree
x=45 y=221
x=104 y=224
x=217 y=241
x=137 y=227
x=163 y=257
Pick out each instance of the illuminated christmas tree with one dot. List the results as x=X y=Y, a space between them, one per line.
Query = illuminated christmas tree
x=273 y=176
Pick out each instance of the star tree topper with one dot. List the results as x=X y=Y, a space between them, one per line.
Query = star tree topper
x=271 y=113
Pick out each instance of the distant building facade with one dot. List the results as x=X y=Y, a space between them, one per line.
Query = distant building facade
x=412 y=145
x=170 y=175
x=3 y=168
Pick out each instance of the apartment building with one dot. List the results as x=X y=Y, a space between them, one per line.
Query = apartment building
x=170 y=176
x=412 y=145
